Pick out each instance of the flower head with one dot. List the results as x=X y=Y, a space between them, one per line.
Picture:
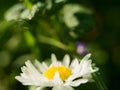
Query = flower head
x=60 y=75
x=81 y=48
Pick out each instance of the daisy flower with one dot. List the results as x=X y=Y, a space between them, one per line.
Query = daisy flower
x=59 y=75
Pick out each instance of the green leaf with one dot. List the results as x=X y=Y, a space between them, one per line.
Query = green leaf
x=6 y=24
x=29 y=38
x=52 y=41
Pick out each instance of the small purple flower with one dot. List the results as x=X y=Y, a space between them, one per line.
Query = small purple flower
x=81 y=48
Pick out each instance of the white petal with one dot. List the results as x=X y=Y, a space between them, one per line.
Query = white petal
x=86 y=57
x=73 y=77
x=85 y=67
x=57 y=80
x=77 y=82
x=37 y=81
x=57 y=88
x=55 y=62
x=30 y=75
x=54 y=59
x=45 y=65
x=66 y=60
x=39 y=88
x=31 y=68
x=29 y=71
x=89 y=77
x=67 y=88
x=42 y=67
x=62 y=88
x=74 y=63
x=25 y=81
x=75 y=66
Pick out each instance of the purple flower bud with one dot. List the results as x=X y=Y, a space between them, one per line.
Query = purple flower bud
x=81 y=48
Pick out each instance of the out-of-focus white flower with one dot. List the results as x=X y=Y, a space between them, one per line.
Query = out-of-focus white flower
x=50 y=3
x=58 y=1
x=60 y=75
x=19 y=11
x=68 y=12
x=14 y=12
x=29 y=13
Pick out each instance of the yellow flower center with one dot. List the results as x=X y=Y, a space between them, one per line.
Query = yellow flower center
x=63 y=71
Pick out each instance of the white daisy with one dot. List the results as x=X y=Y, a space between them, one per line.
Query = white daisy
x=59 y=75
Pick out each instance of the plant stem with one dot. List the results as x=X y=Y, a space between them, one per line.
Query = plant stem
x=100 y=83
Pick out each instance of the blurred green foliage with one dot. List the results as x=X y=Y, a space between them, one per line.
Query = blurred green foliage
x=33 y=29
